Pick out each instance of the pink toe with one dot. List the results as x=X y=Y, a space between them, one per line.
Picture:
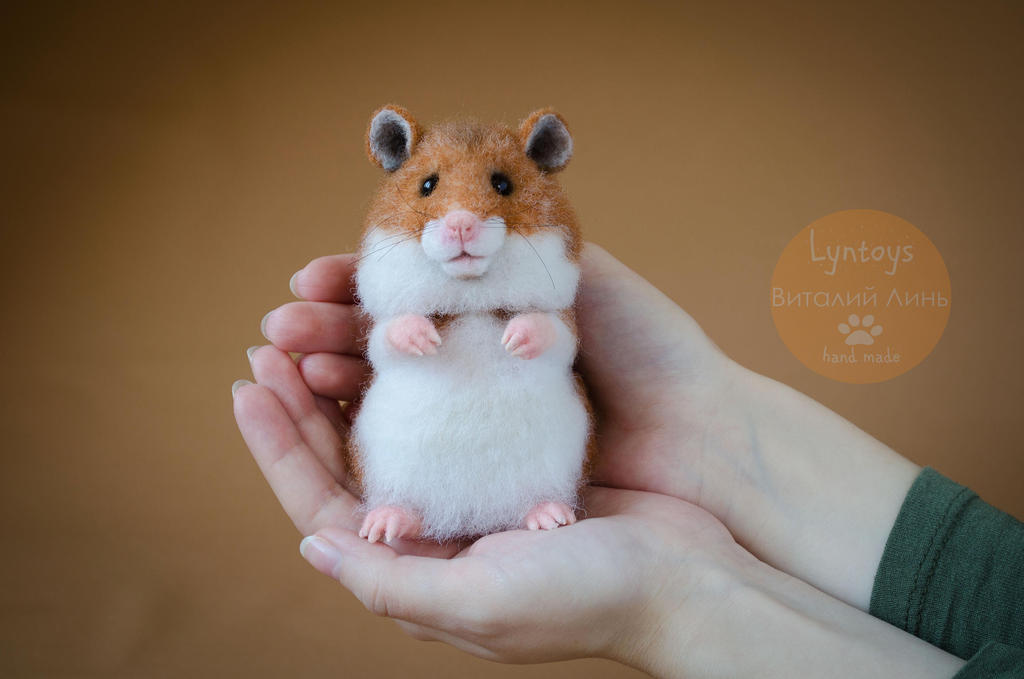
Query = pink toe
x=390 y=522
x=547 y=522
x=549 y=515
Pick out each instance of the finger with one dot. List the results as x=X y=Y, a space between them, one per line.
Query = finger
x=438 y=593
x=635 y=341
x=326 y=279
x=307 y=491
x=418 y=632
x=424 y=633
x=310 y=327
x=336 y=376
x=328 y=405
x=275 y=370
x=332 y=411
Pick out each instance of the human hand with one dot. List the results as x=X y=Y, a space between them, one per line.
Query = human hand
x=294 y=437
x=799 y=486
x=518 y=596
x=648 y=580
x=325 y=327
x=602 y=587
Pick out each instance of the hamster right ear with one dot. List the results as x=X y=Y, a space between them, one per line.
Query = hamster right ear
x=546 y=139
x=391 y=137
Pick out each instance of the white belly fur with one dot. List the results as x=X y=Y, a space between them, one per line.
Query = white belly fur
x=471 y=438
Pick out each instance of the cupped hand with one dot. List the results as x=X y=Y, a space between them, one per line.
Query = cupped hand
x=689 y=443
x=604 y=587
x=659 y=386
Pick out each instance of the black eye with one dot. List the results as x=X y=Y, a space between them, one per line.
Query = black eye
x=501 y=183
x=428 y=185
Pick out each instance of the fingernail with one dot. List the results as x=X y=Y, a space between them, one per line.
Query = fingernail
x=250 y=351
x=291 y=283
x=320 y=553
x=238 y=384
x=263 y=324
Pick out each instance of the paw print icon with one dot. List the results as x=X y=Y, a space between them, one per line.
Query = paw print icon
x=860 y=330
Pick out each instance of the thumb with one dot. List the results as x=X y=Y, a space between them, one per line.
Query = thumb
x=424 y=590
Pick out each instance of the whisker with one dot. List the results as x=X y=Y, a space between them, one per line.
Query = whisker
x=377 y=224
x=386 y=247
x=385 y=243
x=546 y=269
x=384 y=239
x=395 y=245
x=388 y=218
x=537 y=226
x=398 y=191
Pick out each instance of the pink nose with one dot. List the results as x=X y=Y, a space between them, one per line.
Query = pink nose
x=461 y=225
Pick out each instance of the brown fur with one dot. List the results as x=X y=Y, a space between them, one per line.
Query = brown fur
x=464 y=155
x=442 y=321
x=353 y=465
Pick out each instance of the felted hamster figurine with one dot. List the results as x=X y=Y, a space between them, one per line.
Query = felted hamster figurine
x=474 y=421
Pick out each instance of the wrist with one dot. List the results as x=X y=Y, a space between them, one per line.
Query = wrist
x=801 y=487
x=755 y=621
x=686 y=626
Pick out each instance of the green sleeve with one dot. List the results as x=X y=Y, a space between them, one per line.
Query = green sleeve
x=952 y=572
x=994 y=661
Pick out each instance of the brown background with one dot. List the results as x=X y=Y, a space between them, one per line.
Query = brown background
x=166 y=170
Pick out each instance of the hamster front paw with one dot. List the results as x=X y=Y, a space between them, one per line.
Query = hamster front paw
x=389 y=522
x=529 y=335
x=414 y=335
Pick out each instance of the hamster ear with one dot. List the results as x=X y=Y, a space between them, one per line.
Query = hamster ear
x=391 y=136
x=546 y=139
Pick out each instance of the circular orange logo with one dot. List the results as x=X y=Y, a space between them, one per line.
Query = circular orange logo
x=860 y=296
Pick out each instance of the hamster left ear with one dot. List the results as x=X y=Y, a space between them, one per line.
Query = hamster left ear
x=546 y=140
x=391 y=136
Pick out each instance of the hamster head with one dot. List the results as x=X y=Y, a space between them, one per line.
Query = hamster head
x=469 y=215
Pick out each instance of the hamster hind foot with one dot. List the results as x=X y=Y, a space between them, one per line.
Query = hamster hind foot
x=549 y=515
x=390 y=522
